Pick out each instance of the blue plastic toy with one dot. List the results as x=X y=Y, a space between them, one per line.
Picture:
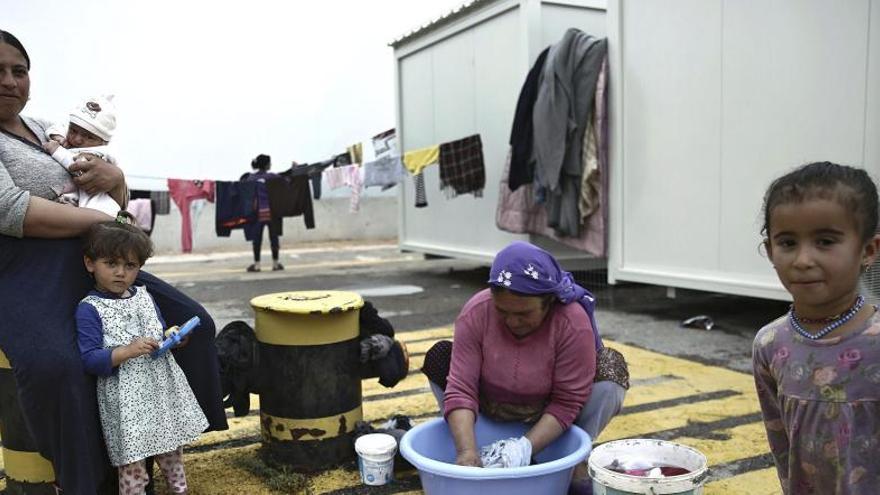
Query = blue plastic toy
x=175 y=336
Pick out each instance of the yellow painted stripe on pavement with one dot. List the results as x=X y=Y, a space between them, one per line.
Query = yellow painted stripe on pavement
x=420 y=347
x=744 y=441
x=647 y=364
x=438 y=333
x=410 y=405
x=760 y=482
x=639 y=424
x=372 y=387
x=639 y=395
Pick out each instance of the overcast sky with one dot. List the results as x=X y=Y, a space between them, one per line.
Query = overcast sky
x=204 y=86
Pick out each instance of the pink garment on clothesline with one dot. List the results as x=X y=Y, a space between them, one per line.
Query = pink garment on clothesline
x=142 y=210
x=183 y=192
x=349 y=175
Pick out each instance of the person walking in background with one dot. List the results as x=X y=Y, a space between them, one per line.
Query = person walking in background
x=817 y=367
x=254 y=232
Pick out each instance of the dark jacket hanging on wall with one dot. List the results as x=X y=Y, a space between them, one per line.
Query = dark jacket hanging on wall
x=291 y=197
x=522 y=167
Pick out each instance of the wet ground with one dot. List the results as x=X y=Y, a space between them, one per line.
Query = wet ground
x=689 y=385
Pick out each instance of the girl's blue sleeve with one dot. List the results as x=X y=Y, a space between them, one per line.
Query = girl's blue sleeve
x=90 y=338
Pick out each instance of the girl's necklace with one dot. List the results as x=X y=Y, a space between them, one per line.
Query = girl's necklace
x=835 y=323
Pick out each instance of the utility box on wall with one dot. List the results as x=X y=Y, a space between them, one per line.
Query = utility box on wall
x=462 y=75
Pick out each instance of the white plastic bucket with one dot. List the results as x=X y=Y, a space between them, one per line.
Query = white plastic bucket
x=659 y=452
x=376 y=458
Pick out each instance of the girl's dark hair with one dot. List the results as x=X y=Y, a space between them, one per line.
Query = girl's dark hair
x=851 y=187
x=10 y=39
x=261 y=162
x=117 y=240
x=546 y=299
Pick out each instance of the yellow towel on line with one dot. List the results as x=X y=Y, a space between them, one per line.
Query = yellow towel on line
x=416 y=160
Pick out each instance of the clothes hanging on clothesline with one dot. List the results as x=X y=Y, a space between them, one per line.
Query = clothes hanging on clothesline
x=347 y=176
x=356 y=152
x=385 y=144
x=289 y=196
x=462 y=170
x=384 y=172
x=183 y=192
x=236 y=206
x=313 y=171
x=142 y=210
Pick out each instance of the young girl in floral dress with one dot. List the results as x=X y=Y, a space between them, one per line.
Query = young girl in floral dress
x=146 y=405
x=817 y=368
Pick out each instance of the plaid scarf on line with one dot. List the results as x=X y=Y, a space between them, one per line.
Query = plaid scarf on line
x=461 y=167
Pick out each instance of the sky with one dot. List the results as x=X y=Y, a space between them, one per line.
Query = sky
x=202 y=87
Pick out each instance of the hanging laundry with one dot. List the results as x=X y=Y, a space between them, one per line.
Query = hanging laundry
x=356 y=151
x=313 y=171
x=419 y=185
x=349 y=176
x=183 y=192
x=289 y=196
x=522 y=164
x=462 y=169
x=148 y=195
x=342 y=159
x=162 y=202
x=195 y=211
x=235 y=206
x=564 y=102
x=591 y=182
x=519 y=213
x=384 y=172
x=142 y=210
x=385 y=143
x=415 y=161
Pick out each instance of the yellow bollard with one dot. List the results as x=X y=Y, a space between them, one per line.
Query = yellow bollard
x=310 y=385
x=27 y=472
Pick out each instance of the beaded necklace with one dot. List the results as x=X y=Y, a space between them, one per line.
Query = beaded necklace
x=836 y=323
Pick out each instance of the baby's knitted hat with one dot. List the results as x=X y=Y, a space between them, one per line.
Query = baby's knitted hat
x=96 y=115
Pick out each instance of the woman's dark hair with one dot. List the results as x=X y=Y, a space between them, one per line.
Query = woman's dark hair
x=546 y=299
x=10 y=39
x=261 y=162
x=117 y=240
x=851 y=187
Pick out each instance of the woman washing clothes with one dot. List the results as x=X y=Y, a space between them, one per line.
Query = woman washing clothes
x=42 y=279
x=526 y=349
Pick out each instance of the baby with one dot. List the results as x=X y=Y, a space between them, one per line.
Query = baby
x=91 y=126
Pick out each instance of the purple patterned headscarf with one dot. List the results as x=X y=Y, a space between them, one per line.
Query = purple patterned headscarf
x=528 y=269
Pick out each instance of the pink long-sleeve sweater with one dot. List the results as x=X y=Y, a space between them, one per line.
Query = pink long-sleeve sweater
x=551 y=369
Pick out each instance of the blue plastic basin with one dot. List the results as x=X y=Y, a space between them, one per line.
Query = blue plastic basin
x=430 y=449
